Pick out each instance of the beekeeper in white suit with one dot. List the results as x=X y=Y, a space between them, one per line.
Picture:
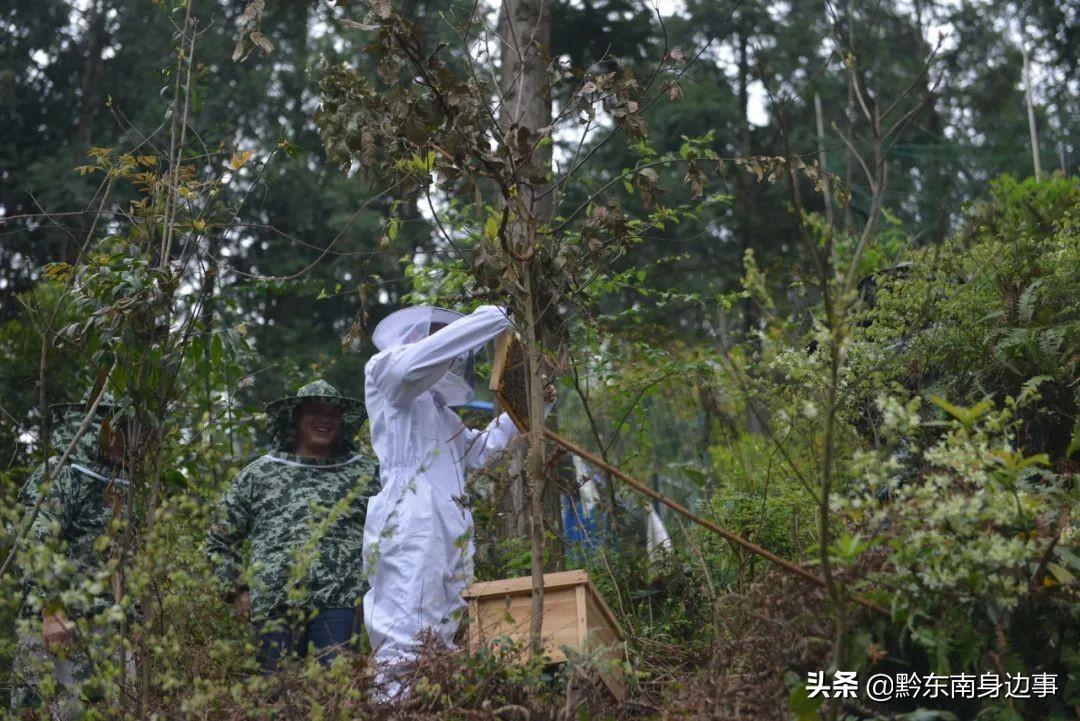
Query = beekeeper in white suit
x=418 y=545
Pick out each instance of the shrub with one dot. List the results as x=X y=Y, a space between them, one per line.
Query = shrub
x=989 y=311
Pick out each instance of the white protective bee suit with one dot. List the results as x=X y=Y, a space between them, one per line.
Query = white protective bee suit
x=418 y=547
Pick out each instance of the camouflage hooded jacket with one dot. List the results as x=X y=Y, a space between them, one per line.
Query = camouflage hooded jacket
x=76 y=512
x=304 y=519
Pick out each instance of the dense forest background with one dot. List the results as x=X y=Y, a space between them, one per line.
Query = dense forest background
x=796 y=269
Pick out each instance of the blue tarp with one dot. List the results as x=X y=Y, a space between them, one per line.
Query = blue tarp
x=582 y=529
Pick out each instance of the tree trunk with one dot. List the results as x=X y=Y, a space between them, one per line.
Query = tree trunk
x=96 y=38
x=849 y=115
x=95 y=44
x=525 y=29
x=746 y=205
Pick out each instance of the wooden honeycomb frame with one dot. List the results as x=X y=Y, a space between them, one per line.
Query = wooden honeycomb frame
x=509 y=378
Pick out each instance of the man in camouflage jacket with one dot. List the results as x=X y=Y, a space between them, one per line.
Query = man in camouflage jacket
x=302 y=508
x=65 y=564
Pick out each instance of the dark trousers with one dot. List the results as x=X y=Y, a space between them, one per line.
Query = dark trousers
x=329 y=630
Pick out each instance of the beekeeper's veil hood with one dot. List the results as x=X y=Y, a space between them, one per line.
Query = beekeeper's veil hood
x=409 y=325
x=66 y=419
x=282 y=415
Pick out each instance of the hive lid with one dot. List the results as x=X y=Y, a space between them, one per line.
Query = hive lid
x=552 y=581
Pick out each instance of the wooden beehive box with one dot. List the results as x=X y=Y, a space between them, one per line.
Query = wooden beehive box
x=575 y=616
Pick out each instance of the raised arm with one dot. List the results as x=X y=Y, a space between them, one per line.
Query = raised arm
x=482 y=446
x=404 y=372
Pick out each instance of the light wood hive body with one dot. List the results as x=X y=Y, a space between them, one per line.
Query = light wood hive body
x=575 y=616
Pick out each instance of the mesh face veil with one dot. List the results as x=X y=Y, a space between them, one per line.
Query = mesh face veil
x=410 y=325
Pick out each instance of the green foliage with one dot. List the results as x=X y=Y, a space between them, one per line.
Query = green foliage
x=990 y=313
x=958 y=509
x=20 y=345
x=78 y=78
x=979 y=557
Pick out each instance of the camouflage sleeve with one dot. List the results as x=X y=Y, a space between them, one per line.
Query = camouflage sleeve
x=230 y=526
x=371 y=470
x=51 y=518
x=55 y=508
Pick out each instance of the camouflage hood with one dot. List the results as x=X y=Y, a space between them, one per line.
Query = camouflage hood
x=282 y=423
x=66 y=419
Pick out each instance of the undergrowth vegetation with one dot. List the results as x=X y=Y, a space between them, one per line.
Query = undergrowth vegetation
x=902 y=421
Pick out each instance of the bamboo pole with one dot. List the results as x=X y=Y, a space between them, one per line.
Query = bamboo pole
x=511 y=405
x=1032 y=131
x=687 y=513
x=826 y=190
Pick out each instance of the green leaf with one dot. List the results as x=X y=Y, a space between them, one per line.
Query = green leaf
x=848 y=547
x=1062 y=575
x=804 y=707
x=696 y=476
x=175 y=481
x=1068 y=556
x=216 y=348
x=966 y=416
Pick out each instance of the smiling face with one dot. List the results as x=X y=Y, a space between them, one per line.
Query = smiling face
x=318 y=426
